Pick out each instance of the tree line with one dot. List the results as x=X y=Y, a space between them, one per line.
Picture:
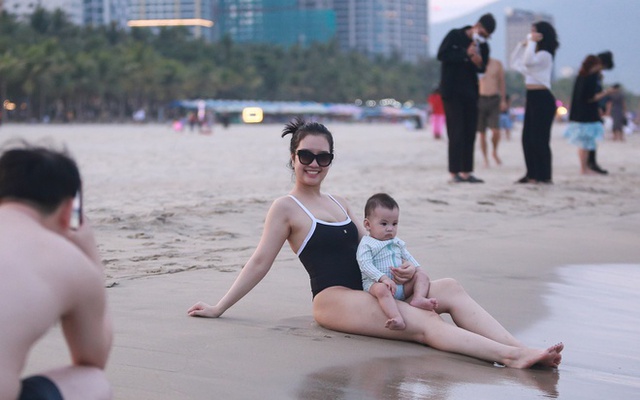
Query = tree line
x=53 y=69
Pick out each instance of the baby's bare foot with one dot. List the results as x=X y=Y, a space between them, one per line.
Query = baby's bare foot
x=396 y=324
x=428 y=304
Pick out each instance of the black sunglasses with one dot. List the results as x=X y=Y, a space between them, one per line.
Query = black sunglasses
x=306 y=157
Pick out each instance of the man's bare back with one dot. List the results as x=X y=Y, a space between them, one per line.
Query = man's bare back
x=50 y=274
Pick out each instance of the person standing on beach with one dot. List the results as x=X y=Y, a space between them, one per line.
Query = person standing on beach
x=49 y=274
x=382 y=251
x=606 y=59
x=585 y=119
x=617 y=109
x=492 y=101
x=322 y=231
x=463 y=53
x=534 y=59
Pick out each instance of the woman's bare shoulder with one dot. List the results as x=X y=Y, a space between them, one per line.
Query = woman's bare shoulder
x=283 y=206
x=283 y=202
x=341 y=200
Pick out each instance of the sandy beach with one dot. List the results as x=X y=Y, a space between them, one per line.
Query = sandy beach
x=177 y=214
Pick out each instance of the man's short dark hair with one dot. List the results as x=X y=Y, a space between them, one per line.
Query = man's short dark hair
x=40 y=176
x=488 y=22
x=379 y=200
x=606 y=58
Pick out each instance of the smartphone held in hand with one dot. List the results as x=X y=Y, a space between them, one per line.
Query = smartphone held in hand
x=76 y=212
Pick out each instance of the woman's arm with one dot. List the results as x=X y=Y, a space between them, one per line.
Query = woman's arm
x=533 y=58
x=277 y=228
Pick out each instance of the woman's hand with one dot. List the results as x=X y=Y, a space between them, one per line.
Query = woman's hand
x=404 y=273
x=535 y=36
x=201 y=309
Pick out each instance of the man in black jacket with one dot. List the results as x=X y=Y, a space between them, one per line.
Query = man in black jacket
x=463 y=53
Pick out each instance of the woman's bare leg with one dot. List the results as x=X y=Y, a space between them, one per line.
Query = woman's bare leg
x=583 y=155
x=467 y=314
x=357 y=312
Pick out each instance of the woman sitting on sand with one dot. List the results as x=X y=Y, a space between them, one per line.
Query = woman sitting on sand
x=321 y=229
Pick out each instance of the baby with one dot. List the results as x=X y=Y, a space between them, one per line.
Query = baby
x=380 y=253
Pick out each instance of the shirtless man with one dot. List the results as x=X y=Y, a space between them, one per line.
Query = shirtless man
x=491 y=102
x=49 y=274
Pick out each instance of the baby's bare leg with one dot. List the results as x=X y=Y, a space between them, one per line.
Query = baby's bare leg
x=417 y=290
x=388 y=305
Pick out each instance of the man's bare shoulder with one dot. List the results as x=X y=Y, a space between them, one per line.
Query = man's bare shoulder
x=45 y=255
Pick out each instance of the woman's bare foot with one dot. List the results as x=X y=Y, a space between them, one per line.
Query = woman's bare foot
x=396 y=324
x=428 y=304
x=550 y=357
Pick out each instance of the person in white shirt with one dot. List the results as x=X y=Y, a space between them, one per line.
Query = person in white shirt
x=534 y=59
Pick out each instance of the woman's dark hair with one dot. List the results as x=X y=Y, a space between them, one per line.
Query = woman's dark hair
x=40 y=176
x=587 y=64
x=549 y=40
x=299 y=129
x=379 y=200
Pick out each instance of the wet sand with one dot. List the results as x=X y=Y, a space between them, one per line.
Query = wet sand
x=177 y=214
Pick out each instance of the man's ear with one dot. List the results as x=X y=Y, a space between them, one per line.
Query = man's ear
x=63 y=214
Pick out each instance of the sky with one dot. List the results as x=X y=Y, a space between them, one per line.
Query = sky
x=442 y=10
x=593 y=27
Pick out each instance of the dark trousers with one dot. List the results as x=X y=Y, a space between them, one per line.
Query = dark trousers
x=536 y=133
x=462 y=117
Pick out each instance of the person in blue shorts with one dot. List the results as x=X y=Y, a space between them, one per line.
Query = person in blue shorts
x=585 y=122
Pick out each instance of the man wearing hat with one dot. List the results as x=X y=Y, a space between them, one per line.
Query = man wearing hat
x=463 y=53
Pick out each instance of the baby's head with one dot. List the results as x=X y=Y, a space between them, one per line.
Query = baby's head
x=381 y=215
